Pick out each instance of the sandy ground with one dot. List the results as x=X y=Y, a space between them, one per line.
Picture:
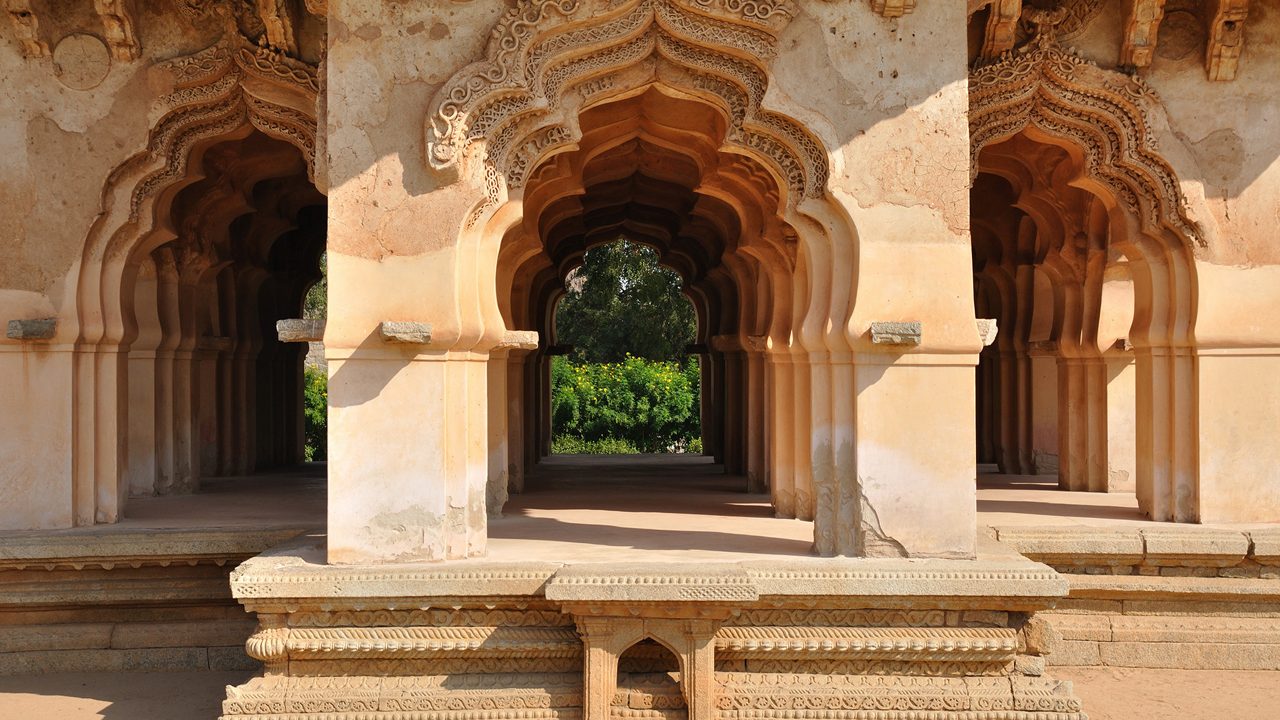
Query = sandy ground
x=1128 y=694
x=1108 y=694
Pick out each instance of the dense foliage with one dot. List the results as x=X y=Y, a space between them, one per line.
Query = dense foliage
x=622 y=303
x=315 y=413
x=650 y=405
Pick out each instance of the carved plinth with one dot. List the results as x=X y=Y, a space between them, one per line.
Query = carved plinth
x=771 y=638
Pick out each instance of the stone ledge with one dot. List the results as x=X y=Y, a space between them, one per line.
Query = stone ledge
x=1164 y=587
x=296 y=570
x=1156 y=549
x=78 y=549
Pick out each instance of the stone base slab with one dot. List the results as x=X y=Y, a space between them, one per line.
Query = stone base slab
x=800 y=638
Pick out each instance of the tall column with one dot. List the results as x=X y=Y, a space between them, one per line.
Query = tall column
x=1043 y=359
x=1082 y=422
x=1122 y=425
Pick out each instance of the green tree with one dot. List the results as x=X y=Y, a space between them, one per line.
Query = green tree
x=622 y=302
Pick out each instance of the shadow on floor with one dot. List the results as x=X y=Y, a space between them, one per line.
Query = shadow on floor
x=116 y=695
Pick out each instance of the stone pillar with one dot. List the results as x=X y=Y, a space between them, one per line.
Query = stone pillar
x=757 y=410
x=1082 y=423
x=1122 y=425
x=782 y=474
x=1043 y=357
x=497 y=488
x=515 y=411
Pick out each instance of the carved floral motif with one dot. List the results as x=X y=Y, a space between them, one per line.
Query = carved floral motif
x=544 y=60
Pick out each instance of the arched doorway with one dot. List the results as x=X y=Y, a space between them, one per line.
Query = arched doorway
x=1082 y=247
x=206 y=239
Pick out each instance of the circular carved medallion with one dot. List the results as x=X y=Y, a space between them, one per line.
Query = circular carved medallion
x=81 y=61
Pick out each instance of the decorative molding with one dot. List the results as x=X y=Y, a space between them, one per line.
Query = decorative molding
x=495 y=118
x=26 y=28
x=922 y=644
x=1142 y=23
x=1101 y=111
x=117 y=26
x=1226 y=38
x=217 y=91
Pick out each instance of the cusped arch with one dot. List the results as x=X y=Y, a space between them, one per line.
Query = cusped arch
x=547 y=60
x=224 y=92
x=1102 y=112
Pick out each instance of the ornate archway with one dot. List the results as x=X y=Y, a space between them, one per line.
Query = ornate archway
x=510 y=128
x=1101 y=120
x=225 y=93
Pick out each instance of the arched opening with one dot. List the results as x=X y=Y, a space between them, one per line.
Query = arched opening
x=652 y=167
x=625 y=380
x=1083 y=244
x=649 y=680
x=1083 y=313
x=208 y=389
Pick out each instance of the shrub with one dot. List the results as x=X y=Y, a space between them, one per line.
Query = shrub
x=651 y=405
x=570 y=445
x=315 y=412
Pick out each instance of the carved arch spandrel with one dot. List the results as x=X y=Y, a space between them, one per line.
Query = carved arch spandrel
x=1102 y=112
x=497 y=118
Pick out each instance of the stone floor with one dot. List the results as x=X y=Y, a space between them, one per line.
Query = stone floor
x=1108 y=694
x=581 y=508
x=656 y=503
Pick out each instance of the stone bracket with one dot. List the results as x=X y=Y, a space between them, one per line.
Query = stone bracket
x=278 y=21
x=117 y=26
x=35 y=329
x=987 y=330
x=1226 y=38
x=296 y=330
x=519 y=340
x=405 y=332
x=26 y=27
x=893 y=8
x=896 y=333
x=1141 y=26
x=1002 y=28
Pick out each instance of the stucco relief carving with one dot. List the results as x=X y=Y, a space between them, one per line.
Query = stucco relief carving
x=547 y=58
x=1103 y=112
x=215 y=91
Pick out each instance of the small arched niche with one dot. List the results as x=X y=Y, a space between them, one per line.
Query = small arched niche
x=649 y=680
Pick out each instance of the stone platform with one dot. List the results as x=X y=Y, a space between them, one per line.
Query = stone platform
x=770 y=637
